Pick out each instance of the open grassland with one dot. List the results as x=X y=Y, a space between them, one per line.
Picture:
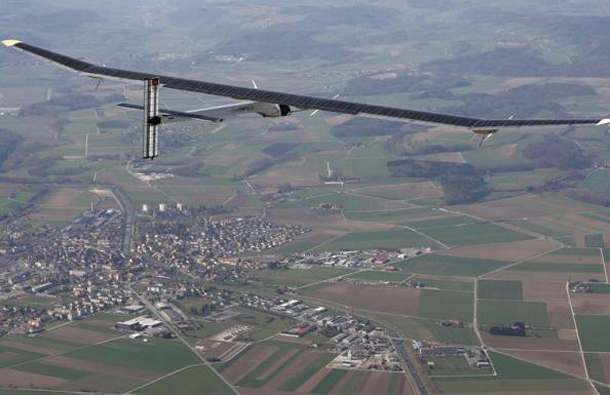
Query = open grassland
x=509 y=312
x=390 y=239
x=513 y=376
x=492 y=289
x=593 y=330
x=449 y=266
x=189 y=381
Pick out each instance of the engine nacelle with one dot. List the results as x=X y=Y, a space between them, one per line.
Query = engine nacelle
x=270 y=110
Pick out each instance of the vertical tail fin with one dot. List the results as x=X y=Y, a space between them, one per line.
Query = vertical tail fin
x=152 y=118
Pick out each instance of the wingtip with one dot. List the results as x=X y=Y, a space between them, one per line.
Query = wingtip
x=604 y=122
x=10 y=43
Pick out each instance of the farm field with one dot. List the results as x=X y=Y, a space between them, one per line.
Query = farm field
x=391 y=239
x=509 y=312
x=514 y=376
x=300 y=277
x=492 y=289
x=374 y=275
x=503 y=227
x=188 y=381
x=593 y=330
x=474 y=234
x=88 y=354
x=282 y=366
x=450 y=266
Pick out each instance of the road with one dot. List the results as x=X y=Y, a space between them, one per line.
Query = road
x=128 y=218
x=402 y=351
x=155 y=312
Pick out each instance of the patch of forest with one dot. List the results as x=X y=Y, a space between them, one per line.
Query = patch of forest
x=8 y=144
x=462 y=183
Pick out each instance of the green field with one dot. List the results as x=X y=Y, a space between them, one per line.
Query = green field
x=602 y=390
x=420 y=328
x=352 y=385
x=296 y=381
x=536 y=228
x=59 y=372
x=14 y=356
x=390 y=239
x=595 y=367
x=347 y=202
x=394 y=216
x=458 y=220
x=513 y=375
x=498 y=289
x=595 y=240
x=446 y=305
x=31 y=301
x=446 y=284
x=449 y=266
x=250 y=380
x=599 y=288
x=158 y=355
x=558 y=267
x=577 y=251
x=44 y=342
x=329 y=381
x=190 y=381
x=453 y=366
x=496 y=312
x=300 y=277
x=594 y=330
x=475 y=234
x=296 y=247
x=376 y=275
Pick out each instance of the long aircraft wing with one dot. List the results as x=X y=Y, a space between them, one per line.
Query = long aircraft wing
x=298 y=101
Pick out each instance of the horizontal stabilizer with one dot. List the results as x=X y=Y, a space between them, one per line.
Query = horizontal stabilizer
x=173 y=113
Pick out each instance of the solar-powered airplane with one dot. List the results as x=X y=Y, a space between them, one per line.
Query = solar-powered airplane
x=263 y=102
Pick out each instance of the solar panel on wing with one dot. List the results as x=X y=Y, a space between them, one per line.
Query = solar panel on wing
x=298 y=101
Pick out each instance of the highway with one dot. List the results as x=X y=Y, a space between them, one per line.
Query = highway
x=402 y=351
x=128 y=218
